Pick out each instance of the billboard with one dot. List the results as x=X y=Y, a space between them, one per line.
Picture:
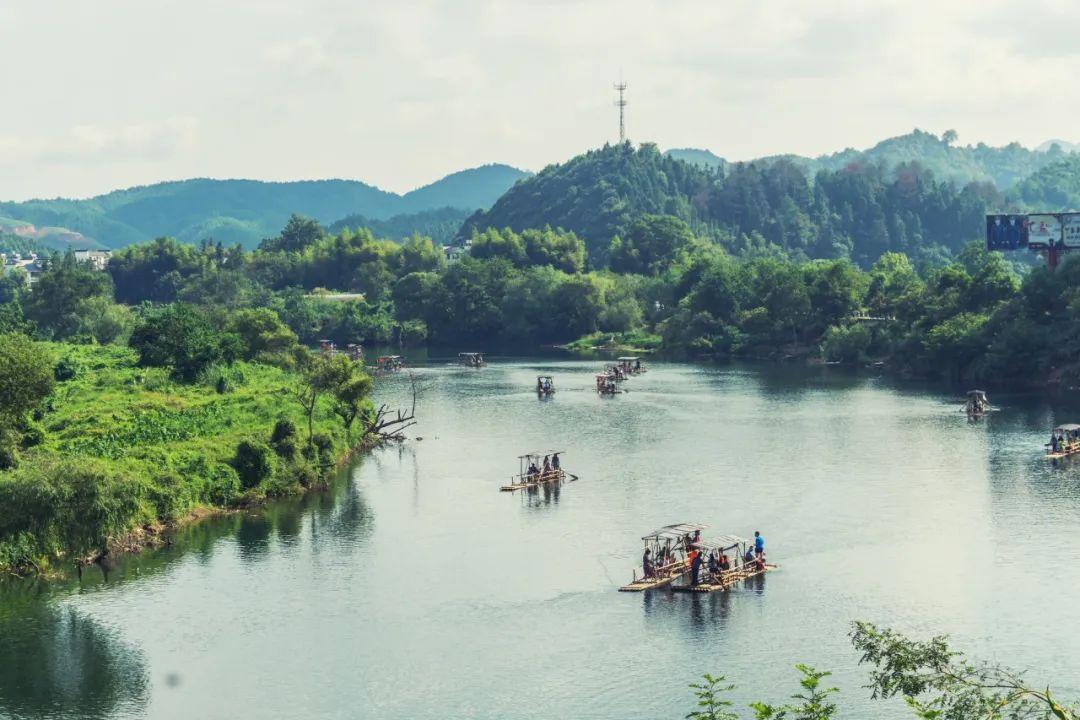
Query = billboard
x=1070 y=229
x=1044 y=231
x=1009 y=232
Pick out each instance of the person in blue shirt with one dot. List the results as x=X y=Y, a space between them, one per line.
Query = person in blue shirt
x=759 y=544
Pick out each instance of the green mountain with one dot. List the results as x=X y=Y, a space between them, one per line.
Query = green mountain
x=702 y=158
x=440 y=225
x=246 y=211
x=597 y=194
x=1055 y=187
x=1004 y=166
x=859 y=211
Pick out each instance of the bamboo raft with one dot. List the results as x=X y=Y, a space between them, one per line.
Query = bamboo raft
x=665 y=576
x=543 y=479
x=676 y=540
x=727 y=580
x=1068 y=434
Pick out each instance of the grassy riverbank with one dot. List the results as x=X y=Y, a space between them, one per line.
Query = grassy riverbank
x=120 y=452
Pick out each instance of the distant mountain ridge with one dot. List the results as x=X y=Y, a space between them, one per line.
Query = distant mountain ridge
x=246 y=211
x=1004 y=166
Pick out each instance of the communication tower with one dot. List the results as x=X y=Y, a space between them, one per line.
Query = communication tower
x=621 y=104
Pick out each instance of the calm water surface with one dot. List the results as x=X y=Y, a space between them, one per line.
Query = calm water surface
x=415 y=590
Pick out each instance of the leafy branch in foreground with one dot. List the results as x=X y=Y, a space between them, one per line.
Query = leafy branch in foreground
x=941 y=684
x=937 y=683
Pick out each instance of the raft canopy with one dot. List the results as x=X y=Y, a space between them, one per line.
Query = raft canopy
x=722 y=543
x=1067 y=428
x=628 y=358
x=540 y=454
x=677 y=531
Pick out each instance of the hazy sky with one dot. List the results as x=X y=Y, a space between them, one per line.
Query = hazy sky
x=100 y=94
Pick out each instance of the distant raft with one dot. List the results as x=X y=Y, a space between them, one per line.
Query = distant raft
x=536 y=469
x=545 y=385
x=1064 y=442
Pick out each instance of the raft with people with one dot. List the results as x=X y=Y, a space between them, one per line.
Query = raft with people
x=607 y=384
x=977 y=404
x=665 y=557
x=678 y=556
x=471 y=359
x=1064 y=442
x=545 y=385
x=630 y=365
x=536 y=469
x=389 y=363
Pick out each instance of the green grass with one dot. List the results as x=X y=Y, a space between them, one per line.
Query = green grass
x=127 y=448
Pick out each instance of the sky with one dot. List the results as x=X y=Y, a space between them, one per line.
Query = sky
x=113 y=93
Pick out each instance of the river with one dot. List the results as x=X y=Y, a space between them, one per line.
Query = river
x=415 y=590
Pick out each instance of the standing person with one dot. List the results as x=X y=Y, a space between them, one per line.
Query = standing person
x=647 y=564
x=555 y=464
x=759 y=544
x=695 y=565
x=547 y=465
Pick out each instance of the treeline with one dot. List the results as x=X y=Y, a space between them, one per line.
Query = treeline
x=664 y=284
x=858 y=212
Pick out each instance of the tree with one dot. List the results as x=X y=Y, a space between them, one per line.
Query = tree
x=651 y=245
x=322 y=374
x=298 y=234
x=939 y=683
x=261 y=331
x=59 y=298
x=180 y=337
x=26 y=379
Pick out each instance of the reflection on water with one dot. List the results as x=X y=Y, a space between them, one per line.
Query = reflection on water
x=57 y=662
x=415 y=589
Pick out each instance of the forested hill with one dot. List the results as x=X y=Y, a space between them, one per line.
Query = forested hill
x=599 y=193
x=1054 y=188
x=1004 y=166
x=246 y=211
x=858 y=212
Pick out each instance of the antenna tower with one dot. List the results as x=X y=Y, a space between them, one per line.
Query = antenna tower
x=621 y=104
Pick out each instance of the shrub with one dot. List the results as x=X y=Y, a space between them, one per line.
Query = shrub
x=846 y=344
x=283 y=438
x=253 y=463
x=33 y=435
x=66 y=369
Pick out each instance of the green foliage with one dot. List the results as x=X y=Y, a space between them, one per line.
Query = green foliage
x=180 y=337
x=253 y=463
x=937 y=683
x=651 y=245
x=710 y=699
x=941 y=684
x=26 y=376
x=74 y=507
x=846 y=343
x=813 y=702
x=72 y=300
x=440 y=225
x=261 y=332
x=167 y=445
x=283 y=438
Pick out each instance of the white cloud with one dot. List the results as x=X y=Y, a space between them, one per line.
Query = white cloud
x=399 y=92
x=101 y=144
